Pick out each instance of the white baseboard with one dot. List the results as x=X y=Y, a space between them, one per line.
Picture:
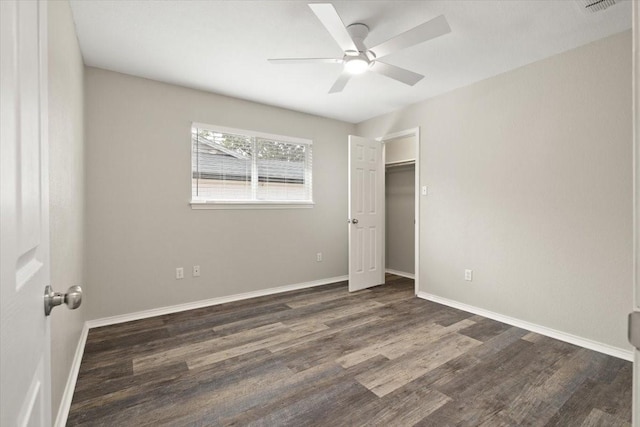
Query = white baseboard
x=67 y=395
x=208 y=302
x=620 y=353
x=400 y=273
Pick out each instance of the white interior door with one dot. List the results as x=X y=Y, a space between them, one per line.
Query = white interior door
x=24 y=246
x=366 y=213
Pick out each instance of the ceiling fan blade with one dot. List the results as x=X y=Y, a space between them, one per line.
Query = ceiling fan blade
x=305 y=61
x=341 y=82
x=400 y=74
x=423 y=32
x=327 y=14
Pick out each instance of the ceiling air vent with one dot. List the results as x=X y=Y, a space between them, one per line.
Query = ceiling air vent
x=595 y=5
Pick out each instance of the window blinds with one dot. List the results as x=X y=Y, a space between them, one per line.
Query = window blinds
x=230 y=165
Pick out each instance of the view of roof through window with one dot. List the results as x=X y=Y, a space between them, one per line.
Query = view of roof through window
x=243 y=167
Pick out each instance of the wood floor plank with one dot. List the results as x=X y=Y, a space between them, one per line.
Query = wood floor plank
x=206 y=347
x=104 y=358
x=618 y=397
x=417 y=340
x=296 y=388
x=218 y=393
x=122 y=329
x=510 y=359
x=343 y=341
x=212 y=320
x=565 y=380
x=319 y=297
x=402 y=407
x=394 y=374
x=115 y=369
x=324 y=312
x=498 y=343
x=479 y=394
x=598 y=418
x=97 y=393
x=317 y=409
x=366 y=320
x=324 y=356
x=216 y=356
x=579 y=406
x=103 y=408
x=401 y=343
x=334 y=314
x=101 y=345
x=484 y=329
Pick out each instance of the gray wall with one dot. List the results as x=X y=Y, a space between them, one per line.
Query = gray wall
x=400 y=214
x=530 y=184
x=141 y=227
x=66 y=187
x=400 y=150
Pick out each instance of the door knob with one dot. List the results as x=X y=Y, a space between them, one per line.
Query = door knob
x=73 y=298
x=354 y=221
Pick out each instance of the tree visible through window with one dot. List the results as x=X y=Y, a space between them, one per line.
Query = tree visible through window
x=230 y=165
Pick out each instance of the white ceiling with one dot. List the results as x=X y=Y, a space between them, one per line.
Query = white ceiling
x=223 y=46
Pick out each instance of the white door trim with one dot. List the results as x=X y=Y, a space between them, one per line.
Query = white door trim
x=415 y=132
x=636 y=199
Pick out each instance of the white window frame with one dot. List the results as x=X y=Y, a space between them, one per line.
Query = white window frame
x=254 y=204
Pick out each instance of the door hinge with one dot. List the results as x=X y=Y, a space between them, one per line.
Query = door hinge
x=634 y=329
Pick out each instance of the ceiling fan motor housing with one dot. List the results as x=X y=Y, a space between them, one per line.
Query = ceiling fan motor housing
x=357 y=62
x=358 y=33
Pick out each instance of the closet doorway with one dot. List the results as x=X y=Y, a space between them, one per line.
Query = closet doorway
x=402 y=204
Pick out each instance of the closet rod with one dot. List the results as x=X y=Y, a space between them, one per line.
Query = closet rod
x=396 y=164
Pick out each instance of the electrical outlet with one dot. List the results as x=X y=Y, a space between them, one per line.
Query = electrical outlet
x=319 y=257
x=468 y=275
x=196 y=271
x=179 y=273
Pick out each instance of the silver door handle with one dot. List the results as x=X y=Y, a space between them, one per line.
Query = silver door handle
x=73 y=298
x=354 y=221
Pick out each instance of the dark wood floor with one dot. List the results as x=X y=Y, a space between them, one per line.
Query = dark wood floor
x=323 y=356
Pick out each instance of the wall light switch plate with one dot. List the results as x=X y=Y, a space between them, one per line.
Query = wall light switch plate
x=196 y=271
x=319 y=257
x=468 y=275
x=425 y=190
x=179 y=273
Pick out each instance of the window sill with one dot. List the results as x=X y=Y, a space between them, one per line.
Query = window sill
x=249 y=205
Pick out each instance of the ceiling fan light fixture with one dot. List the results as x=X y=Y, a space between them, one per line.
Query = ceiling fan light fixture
x=358 y=58
x=356 y=65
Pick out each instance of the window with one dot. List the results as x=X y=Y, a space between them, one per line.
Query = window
x=237 y=167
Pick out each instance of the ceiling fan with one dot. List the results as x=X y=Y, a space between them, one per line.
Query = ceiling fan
x=357 y=57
